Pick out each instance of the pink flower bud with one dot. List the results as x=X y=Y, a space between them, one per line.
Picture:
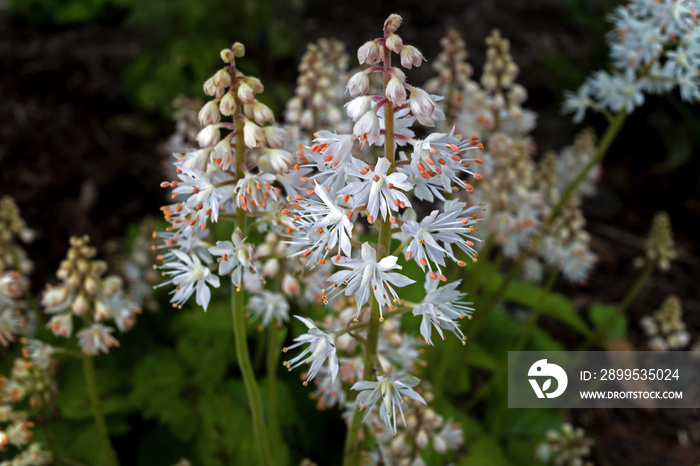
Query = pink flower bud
x=410 y=57
x=369 y=53
x=358 y=107
x=393 y=22
x=209 y=114
x=210 y=88
x=358 y=84
x=395 y=91
x=275 y=137
x=394 y=43
x=422 y=439
x=80 y=305
x=228 y=104
x=424 y=108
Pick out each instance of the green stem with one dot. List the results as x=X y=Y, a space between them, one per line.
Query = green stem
x=352 y=445
x=275 y=336
x=626 y=301
x=244 y=363
x=91 y=382
x=608 y=137
x=238 y=310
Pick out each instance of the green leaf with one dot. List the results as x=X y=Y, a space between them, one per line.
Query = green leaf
x=608 y=320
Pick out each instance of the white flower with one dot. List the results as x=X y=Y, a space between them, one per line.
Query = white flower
x=204 y=197
x=11 y=323
x=331 y=150
x=390 y=390
x=96 y=338
x=379 y=191
x=322 y=227
x=367 y=128
x=395 y=91
x=366 y=274
x=253 y=190
x=61 y=324
x=432 y=239
x=189 y=275
x=578 y=102
x=39 y=352
x=440 y=309
x=268 y=306
x=321 y=348
x=235 y=256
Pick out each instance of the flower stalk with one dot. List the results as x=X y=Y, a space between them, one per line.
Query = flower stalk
x=98 y=415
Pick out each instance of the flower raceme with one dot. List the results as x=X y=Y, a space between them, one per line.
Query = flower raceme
x=317 y=202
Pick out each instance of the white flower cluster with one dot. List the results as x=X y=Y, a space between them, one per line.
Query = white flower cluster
x=566 y=244
x=665 y=328
x=343 y=187
x=32 y=382
x=84 y=293
x=655 y=48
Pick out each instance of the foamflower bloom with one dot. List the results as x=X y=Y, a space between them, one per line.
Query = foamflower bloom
x=390 y=390
x=321 y=348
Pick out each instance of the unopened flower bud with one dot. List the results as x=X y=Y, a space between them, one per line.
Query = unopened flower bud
x=245 y=93
x=80 y=305
x=102 y=311
x=439 y=444
x=210 y=88
x=209 y=114
x=224 y=152
x=222 y=78
x=226 y=55
x=262 y=113
x=422 y=439
x=367 y=127
x=271 y=267
x=395 y=91
x=238 y=50
x=228 y=104
x=358 y=107
x=290 y=285
x=274 y=136
x=358 y=84
x=394 y=43
x=208 y=136
x=112 y=284
x=74 y=280
x=410 y=57
x=369 y=53
x=91 y=286
x=252 y=134
x=393 y=22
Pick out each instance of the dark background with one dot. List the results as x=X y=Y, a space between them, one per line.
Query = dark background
x=85 y=109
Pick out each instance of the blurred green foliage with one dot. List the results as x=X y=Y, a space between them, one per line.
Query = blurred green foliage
x=179 y=40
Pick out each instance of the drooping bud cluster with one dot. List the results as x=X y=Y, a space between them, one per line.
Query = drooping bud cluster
x=12 y=231
x=496 y=105
x=567 y=447
x=659 y=246
x=424 y=428
x=453 y=79
x=512 y=201
x=566 y=245
x=14 y=265
x=654 y=48
x=318 y=98
x=86 y=292
x=665 y=328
